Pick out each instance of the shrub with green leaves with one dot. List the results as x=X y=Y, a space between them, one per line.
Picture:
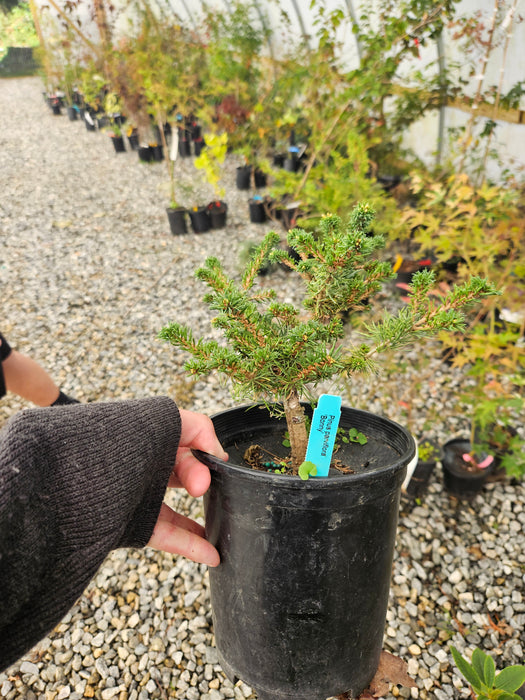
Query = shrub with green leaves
x=484 y=681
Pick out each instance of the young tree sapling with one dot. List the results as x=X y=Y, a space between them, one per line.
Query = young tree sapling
x=276 y=351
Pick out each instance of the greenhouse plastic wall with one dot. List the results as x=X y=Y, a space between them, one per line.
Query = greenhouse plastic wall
x=423 y=137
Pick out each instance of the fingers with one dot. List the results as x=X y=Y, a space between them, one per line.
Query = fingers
x=173 y=532
x=177 y=534
x=190 y=473
x=197 y=433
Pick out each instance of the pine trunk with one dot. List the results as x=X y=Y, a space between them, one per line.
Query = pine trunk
x=295 y=421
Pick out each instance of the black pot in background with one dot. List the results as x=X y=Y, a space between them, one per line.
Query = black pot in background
x=72 y=113
x=420 y=478
x=409 y=267
x=89 y=121
x=157 y=152
x=388 y=182
x=217 y=211
x=158 y=134
x=243 y=176
x=118 y=119
x=291 y=163
x=177 y=220
x=452 y=264
x=257 y=210
x=118 y=144
x=278 y=159
x=184 y=143
x=145 y=154
x=458 y=480
x=133 y=140
x=195 y=130
x=55 y=105
x=289 y=215
x=200 y=220
x=260 y=178
x=198 y=145
x=273 y=209
x=102 y=121
x=299 y=599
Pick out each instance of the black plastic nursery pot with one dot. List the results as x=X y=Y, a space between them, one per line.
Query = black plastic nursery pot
x=198 y=145
x=243 y=175
x=118 y=144
x=424 y=468
x=218 y=211
x=157 y=152
x=133 y=140
x=195 y=130
x=145 y=154
x=291 y=163
x=184 y=146
x=89 y=122
x=260 y=178
x=177 y=220
x=460 y=481
x=420 y=478
x=289 y=216
x=409 y=267
x=257 y=210
x=200 y=219
x=102 y=122
x=299 y=599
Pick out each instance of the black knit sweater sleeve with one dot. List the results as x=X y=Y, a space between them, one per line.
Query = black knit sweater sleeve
x=75 y=483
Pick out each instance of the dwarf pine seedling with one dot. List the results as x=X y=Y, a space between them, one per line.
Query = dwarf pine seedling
x=276 y=352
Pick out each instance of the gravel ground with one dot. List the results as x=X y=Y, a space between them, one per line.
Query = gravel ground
x=90 y=272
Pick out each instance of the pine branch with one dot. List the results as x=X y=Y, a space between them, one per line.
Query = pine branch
x=258 y=257
x=423 y=317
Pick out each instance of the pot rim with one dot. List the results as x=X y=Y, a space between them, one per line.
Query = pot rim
x=315 y=483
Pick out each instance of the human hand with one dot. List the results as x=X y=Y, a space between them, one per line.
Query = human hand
x=173 y=532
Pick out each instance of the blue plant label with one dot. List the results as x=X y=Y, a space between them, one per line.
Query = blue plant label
x=321 y=441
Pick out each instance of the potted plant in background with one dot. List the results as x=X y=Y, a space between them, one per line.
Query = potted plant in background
x=465 y=468
x=318 y=108
x=480 y=227
x=428 y=455
x=113 y=110
x=167 y=64
x=93 y=88
x=123 y=64
x=493 y=448
x=299 y=600
x=210 y=161
x=234 y=69
x=70 y=77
